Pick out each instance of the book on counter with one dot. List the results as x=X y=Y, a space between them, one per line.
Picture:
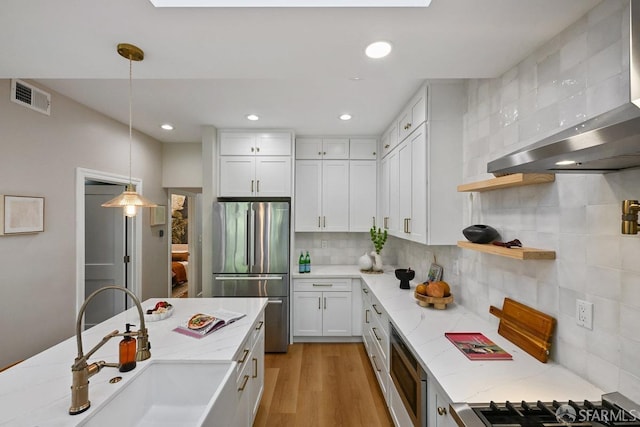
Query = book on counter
x=201 y=324
x=476 y=346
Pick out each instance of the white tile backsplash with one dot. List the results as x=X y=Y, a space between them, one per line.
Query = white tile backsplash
x=578 y=74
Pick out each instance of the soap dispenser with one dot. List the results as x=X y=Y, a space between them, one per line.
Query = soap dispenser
x=127 y=352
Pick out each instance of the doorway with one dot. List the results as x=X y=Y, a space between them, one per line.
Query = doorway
x=186 y=237
x=131 y=233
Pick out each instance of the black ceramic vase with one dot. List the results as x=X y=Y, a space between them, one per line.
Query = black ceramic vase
x=480 y=233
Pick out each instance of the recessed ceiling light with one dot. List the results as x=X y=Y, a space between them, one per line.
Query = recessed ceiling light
x=166 y=126
x=356 y=79
x=565 y=162
x=345 y=117
x=252 y=117
x=378 y=50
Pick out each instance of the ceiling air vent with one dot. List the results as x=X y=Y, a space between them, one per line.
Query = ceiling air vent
x=30 y=96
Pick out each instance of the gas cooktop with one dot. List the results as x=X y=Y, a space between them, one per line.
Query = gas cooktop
x=615 y=410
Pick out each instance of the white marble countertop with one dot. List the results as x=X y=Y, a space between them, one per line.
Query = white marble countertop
x=523 y=378
x=37 y=391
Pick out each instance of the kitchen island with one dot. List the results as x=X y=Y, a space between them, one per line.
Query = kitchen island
x=463 y=380
x=37 y=391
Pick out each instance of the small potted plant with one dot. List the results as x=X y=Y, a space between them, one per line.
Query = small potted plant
x=379 y=238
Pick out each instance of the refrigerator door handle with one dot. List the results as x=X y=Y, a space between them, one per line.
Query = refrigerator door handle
x=248 y=239
x=247 y=278
x=253 y=237
x=271 y=301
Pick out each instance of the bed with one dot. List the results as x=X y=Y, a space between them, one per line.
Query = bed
x=179 y=263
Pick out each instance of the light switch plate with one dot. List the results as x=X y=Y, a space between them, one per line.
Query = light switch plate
x=584 y=314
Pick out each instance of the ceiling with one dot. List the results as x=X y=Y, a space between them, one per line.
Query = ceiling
x=294 y=67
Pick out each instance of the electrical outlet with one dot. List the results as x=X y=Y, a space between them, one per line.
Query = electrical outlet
x=324 y=244
x=584 y=314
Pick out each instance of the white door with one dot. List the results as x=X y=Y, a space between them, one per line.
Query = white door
x=309 y=148
x=237 y=144
x=384 y=193
x=394 y=194
x=308 y=191
x=273 y=176
x=237 y=176
x=273 y=144
x=419 y=197
x=104 y=253
x=307 y=314
x=362 y=195
x=404 y=188
x=335 y=195
x=362 y=148
x=336 y=318
x=335 y=148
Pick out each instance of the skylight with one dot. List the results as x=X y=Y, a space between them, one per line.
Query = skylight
x=290 y=3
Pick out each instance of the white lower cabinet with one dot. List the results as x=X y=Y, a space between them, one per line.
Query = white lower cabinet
x=249 y=383
x=398 y=412
x=322 y=307
x=439 y=414
x=375 y=335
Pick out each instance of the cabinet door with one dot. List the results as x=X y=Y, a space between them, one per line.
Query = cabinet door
x=419 y=164
x=362 y=149
x=309 y=148
x=438 y=407
x=308 y=192
x=394 y=221
x=390 y=139
x=404 y=188
x=237 y=176
x=257 y=375
x=237 y=144
x=335 y=195
x=336 y=318
x=273 y=144
x=335 y=148
x=307 y=314
x=404 y=123
x=362 y=195
x=384 y=193
x=273 y=176
x=418 y=109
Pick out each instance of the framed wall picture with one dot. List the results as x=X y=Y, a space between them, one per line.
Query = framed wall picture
x=158 y=215
x=22 y=214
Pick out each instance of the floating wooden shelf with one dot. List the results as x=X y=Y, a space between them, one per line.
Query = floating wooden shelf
x=507 y=181
x=516 y=253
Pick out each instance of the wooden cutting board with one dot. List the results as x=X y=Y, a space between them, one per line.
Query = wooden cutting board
x=529 y=329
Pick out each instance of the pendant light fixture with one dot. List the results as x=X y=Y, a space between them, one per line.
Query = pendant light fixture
x=130 y=200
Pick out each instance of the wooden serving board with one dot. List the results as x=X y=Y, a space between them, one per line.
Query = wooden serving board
x=529 y=329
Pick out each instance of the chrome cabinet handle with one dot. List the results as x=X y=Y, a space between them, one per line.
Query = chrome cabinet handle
x=375 y=334
x=244 y=383
x=375 y=307
x=442 y=410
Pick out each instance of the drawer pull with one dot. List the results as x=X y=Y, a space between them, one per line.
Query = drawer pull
x=244 y=383
x=442 y=410
x=386 y=146
x=325 y=303
x=255 y=368
x=260 y=323
x=323 y=284
x=375 y=307
x=375 y=334
x=245 y=353
x=366 y=291
x=366 y=316
x=375 y=364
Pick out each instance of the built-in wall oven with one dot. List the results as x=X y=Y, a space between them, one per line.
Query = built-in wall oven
x=409 y=378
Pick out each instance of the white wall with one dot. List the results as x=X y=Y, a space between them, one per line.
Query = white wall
x=577 y=75
x=182 y=165
x=39 y=157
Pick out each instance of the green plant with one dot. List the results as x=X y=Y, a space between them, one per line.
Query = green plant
x=378 y=238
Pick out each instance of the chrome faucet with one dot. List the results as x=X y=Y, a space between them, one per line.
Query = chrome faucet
x=81 y=371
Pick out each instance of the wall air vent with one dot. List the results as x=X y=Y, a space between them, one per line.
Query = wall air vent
x=30 y=96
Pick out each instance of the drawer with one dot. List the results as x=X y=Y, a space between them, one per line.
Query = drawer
x=379 y=313
x=380 y=340
x=380 y=370
x=322 y=284
x=257 y=329
x=366 y=295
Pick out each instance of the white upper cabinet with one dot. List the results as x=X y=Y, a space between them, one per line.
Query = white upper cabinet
x=363 y=148
x=362 y=195
x=255 y=164
x=322 y=148
x=420 y=201
x=389 y=139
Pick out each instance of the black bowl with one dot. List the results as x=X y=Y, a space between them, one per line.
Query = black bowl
x=480 y=233
x=404 y=275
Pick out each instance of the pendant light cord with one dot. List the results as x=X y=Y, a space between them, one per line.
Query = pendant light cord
x=130 y=115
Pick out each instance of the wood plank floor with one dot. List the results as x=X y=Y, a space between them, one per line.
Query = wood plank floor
x=318 y=385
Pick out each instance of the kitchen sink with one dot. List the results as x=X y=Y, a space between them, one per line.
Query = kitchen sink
x=170 y=393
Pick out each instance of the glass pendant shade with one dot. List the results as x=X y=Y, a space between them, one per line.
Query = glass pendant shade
x=130 y=201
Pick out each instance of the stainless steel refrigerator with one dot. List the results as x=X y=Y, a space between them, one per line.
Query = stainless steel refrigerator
x=251 y=259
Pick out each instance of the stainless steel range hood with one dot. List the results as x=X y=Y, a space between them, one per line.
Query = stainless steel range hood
x=606 y=143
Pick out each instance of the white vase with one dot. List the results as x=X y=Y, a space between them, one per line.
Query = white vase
x=377 y=261
x=365 y=262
